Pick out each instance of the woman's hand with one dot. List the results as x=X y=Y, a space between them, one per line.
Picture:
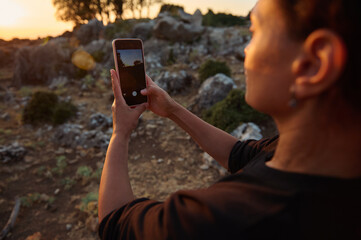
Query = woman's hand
x=159 y=101
x=125 y=118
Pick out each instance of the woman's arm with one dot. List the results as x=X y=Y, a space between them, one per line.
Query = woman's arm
x=212 y=140
x=115 y=190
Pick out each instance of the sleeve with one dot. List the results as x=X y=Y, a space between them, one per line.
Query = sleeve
x=191 y=214
x=244 y=151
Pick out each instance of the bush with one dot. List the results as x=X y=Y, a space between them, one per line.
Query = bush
x=121 y=28
x=40 y=108
x=172 y=9
x=231 y=111
x=211 y=68
x=63 y=112
x=44 y=107
x=98 y=56
x=222 y=20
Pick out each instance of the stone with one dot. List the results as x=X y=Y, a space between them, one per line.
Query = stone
x=174 y=82
x=89 y=32
x=99 y=120
x=195 y=19
x=100 y=49
x=5 y=116
x=247 y=131
x=208 y=162
x=68 y=226
x=13 y=152
x=58 y=82
x=72 y=135
x=213 y=90
x=168 y=28
x=143 y=30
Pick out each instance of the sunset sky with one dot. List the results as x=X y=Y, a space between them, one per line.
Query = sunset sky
x=36 y=18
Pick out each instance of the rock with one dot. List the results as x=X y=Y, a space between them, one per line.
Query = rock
x=41 y=64
x=247 y=131
x=58 y=82
x=143 y=30
x=99 y=120
x=169 y=28
x=213 y=90
x=174 y=82
x=195 y=19
x=89 y=32
x=225 y=41
x=72 y=135
x=68 y=226
x=5 y=116
x=13 y=152
x=100 y=50
x=208 y=162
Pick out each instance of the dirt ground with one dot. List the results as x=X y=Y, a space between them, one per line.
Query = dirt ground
x=58 y=186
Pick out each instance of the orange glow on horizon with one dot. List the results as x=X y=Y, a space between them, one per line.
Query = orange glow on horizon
x=36 y=18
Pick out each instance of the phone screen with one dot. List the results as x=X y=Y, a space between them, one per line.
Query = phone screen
x=131 y=75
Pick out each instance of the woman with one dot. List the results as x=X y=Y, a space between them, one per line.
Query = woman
x=302 y=69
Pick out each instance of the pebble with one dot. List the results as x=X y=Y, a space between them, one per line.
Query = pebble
x=68 y=226
x=160 y=160
x=56 y=192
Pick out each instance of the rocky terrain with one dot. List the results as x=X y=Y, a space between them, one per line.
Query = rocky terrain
x=55 y=170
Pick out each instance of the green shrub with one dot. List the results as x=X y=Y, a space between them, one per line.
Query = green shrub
x=222 y=20
x=231 y=111
x=44 y=107
x=211 y=68
x=171 y=8
x=40 y=108
x=63 y=112
x=84 y=171
x=121 y=28
x=98 y=56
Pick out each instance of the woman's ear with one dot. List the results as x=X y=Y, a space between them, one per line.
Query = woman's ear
x=319 y=65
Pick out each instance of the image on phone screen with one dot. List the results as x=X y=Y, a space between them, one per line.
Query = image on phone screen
x=131 y=75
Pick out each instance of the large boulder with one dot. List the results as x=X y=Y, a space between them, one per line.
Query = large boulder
x=247 y=131
x=40 y=64
x=89 y=32
x=195 y=19
x=213 y=90
x=226 y=41
x=171 y=29
x=174 y=82
x=143 y=30
x=101 y=50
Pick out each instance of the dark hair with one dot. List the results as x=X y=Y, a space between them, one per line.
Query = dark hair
x=341 y=16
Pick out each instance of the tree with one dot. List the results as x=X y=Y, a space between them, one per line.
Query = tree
x=81 y=11
x=76 y=11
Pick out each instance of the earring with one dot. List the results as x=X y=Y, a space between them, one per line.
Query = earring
x=293 y=101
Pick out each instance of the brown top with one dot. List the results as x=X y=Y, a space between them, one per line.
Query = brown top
x=255 y=202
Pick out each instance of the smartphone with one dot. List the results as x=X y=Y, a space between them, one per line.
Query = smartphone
x=129 y=64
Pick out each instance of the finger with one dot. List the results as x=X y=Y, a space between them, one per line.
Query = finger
x=149 y=81
x=116 y=86
x=140 y=108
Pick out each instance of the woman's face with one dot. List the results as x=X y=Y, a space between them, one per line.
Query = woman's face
x=269 y=59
